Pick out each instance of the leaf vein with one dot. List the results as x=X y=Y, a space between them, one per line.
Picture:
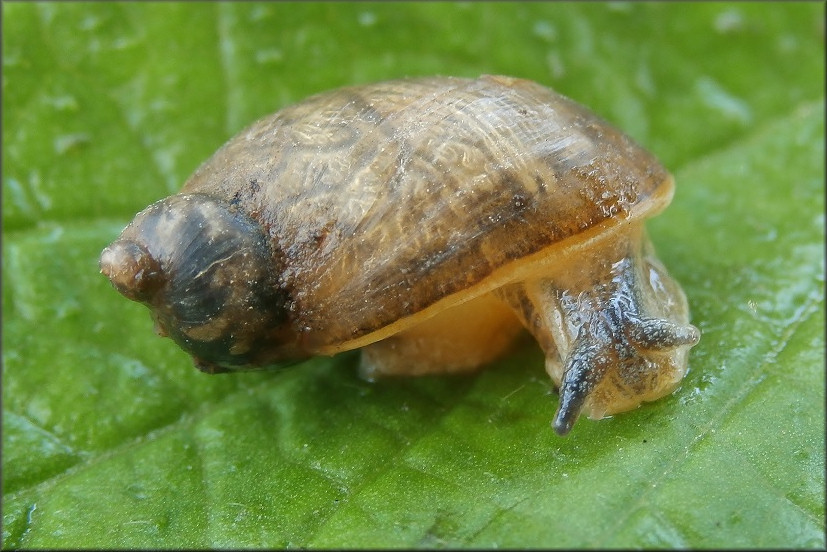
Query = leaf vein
x=809 y=309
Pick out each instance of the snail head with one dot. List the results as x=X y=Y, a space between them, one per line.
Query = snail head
x=643 y=360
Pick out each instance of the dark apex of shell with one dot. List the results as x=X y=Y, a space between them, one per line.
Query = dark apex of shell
x=209 y=274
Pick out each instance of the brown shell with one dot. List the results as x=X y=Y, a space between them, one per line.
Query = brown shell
x=388 y=198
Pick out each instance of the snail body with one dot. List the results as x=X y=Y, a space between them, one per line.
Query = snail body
x=426 y=221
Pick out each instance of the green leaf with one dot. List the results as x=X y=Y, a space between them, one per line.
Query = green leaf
x=112 y=439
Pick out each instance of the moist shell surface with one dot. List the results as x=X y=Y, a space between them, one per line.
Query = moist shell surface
x=386 y=198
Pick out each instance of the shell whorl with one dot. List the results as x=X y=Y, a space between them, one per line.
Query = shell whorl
x=399 y=194
x=211 y=277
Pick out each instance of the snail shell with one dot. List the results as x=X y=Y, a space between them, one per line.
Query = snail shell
x=426 y=220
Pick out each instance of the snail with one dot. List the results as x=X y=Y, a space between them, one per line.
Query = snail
x=426 y=221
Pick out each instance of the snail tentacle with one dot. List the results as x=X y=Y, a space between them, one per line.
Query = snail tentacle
x=657 y=334
x=585 y=367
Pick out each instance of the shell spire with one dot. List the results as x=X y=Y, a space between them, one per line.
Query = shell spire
x=133 y=271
